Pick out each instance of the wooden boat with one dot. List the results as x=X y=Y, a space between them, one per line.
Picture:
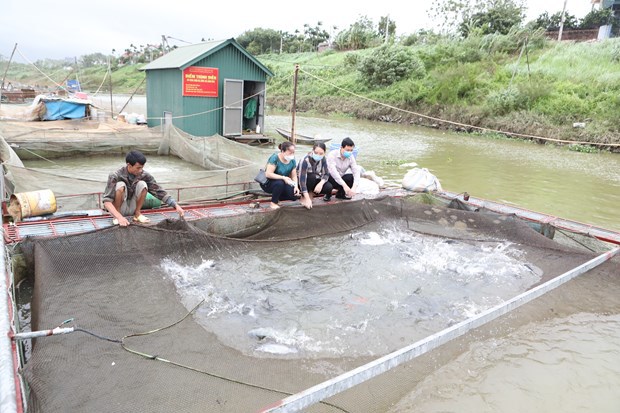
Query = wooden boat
x=252 y=139
x=302 y=139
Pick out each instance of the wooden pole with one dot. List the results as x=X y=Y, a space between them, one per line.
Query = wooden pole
x=294 y=107
x=7 y=70
x=111 y=100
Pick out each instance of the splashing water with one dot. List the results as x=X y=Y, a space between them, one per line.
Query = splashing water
x=363 y=293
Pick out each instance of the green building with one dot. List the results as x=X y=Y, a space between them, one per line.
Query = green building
x=207 y=88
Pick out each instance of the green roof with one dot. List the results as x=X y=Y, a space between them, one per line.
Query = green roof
x=185 y=56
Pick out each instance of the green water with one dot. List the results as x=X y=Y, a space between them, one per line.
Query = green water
x=553 y=180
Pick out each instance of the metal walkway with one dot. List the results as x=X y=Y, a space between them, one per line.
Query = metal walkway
x=98 y=219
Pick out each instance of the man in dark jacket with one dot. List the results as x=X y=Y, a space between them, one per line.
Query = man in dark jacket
x=127 y=188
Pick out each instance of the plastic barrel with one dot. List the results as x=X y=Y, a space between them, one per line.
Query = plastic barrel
x=32 y=204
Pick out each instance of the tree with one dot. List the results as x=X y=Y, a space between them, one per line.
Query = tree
x=492 y=14
x=314 y=36
x=500 y=18
x=598 y=18
x=93 y=59
x=260 y=41
x=552 y=23
x=360 y=35
x=386 y=22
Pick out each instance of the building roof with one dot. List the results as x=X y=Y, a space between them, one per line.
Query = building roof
x=185 y=56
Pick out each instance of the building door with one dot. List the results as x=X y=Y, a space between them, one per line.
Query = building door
x=233 y=107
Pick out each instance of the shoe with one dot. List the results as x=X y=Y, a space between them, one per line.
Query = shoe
x=327 y=198
x=141 y=219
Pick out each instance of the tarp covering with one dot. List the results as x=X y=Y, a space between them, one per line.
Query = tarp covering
x=113 y=282
x=62 y=109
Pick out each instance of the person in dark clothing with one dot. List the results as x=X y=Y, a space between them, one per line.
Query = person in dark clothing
x=313 y=175
x=127 y=188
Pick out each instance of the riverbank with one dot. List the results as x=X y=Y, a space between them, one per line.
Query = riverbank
x=521 y=125
x=544 y=91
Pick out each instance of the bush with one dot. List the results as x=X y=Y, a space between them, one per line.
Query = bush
x=389 y=64
x=506 y=100
x=564 y=108
x=463 y=84
x=351 y=60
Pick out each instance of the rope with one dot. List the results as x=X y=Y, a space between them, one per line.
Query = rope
x=464 y=125
x=157 y=358
x=40 y=71
x=101 y=85
x=34 y=153
x=574 y=239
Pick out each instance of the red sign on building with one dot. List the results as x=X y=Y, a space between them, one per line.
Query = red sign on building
x=200 y=81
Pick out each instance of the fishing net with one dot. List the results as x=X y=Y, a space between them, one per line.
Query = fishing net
x=227 y=167
x=64 y=138
x=187 y=357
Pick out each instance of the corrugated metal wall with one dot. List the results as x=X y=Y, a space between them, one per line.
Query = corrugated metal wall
x=164 y=91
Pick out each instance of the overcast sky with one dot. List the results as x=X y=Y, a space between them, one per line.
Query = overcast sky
x=71 y=28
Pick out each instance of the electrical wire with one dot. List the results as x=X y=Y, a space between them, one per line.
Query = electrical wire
x=157 y=358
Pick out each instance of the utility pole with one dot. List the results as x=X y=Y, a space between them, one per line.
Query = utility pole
x=164 y=44
x=562 y=21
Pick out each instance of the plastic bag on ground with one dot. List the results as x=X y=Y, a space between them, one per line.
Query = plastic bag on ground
x=421 y=180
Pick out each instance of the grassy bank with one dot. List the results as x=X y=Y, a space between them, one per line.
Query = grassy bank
x=534 y=87
x=541 y=93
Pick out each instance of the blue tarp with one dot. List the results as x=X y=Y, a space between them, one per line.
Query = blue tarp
x=61 y=109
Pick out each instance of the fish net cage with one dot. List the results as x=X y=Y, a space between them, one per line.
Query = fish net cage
x=227 y=168
x=141 y=345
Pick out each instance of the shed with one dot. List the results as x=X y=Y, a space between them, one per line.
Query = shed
x=208 y=88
